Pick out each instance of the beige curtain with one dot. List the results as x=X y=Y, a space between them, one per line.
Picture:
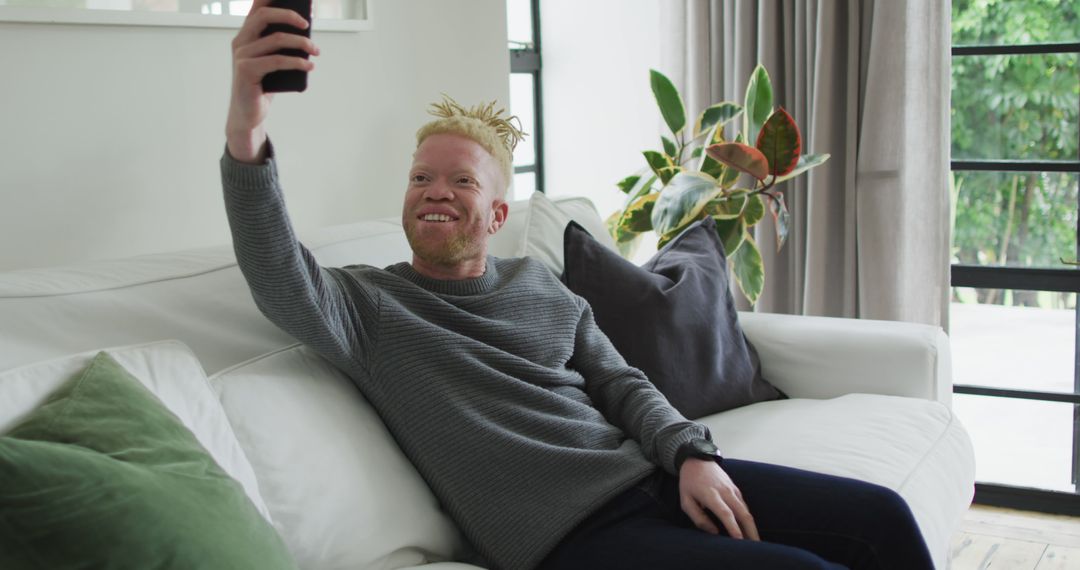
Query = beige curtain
x=868 y=82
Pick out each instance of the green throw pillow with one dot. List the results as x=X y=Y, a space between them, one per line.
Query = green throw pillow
x=103 y=475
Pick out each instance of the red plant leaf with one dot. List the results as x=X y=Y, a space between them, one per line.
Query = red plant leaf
x=741 y=157
x=780 y=142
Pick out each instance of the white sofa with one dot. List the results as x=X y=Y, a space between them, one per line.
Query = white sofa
x=869 y=399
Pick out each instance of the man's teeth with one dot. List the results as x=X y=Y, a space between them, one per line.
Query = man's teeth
x=436 y=218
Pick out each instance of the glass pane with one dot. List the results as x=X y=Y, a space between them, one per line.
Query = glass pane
x=524 y=186
x=1019 y=219
x=1022 y=107
x=523 y=105
x=1013 y=339
x=327 y=9
x=519 y=25
x=1019 y=442
x=978 y=22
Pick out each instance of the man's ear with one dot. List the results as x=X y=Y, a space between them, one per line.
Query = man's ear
x=500 y=210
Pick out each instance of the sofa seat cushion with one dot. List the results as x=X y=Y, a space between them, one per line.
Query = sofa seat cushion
x=340 y=491
x=915 y=447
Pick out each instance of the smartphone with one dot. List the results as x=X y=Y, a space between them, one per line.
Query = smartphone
x=290 y=79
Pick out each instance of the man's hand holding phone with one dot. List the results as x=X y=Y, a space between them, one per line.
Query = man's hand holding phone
x=255 y=56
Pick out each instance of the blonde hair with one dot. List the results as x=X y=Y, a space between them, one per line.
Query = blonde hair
x=489 y=128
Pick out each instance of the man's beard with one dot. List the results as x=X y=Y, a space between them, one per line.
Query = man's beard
x=458 y=247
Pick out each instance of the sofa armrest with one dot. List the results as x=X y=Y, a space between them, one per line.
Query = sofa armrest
x=823 y=357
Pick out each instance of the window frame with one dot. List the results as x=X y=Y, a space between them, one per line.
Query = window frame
x=1031 y=279
x=527 y=60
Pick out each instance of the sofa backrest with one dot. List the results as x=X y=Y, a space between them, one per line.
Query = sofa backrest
x=197 y=296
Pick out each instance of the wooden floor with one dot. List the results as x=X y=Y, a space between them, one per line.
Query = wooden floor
x=996 y=538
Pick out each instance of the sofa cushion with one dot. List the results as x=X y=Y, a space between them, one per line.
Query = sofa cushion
x=673 y=318
x=339 y=489
x=546 y=221
x=169 y=370
x=913 y=446
x=104 y=475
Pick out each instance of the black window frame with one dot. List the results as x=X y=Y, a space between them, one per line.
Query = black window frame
x=526 y=60
x=1032 y=279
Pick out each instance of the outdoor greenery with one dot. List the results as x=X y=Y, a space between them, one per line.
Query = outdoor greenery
x=1022 y=107
x=700 y=173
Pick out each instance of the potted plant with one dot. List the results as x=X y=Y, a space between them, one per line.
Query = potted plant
x=698 y=174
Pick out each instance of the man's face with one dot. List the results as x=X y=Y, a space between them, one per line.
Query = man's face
x=452 y=203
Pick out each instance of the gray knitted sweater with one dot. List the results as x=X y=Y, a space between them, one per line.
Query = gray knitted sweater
x=501 y=390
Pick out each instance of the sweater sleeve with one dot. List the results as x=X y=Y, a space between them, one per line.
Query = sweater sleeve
x=626 y=397
x=323 y=308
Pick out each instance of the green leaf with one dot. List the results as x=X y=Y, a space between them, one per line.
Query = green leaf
x=712 y=168
x=669 y=147
x=669 y=101
x=728 y=177
x=717 y=115
x=781 y=218
x=726 y=207
x=780 y=142
x=748 y=268
x=618 y=232
x=658 y=162
x=731 y=234
x=806 y=162
x=638 y=217
x=742 y=157
x=697 y=152
x=682 y=200
x=641 y=188
x=759 y=102
x=753 y=211
x=627 y=184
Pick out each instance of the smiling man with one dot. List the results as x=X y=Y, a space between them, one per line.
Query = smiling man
x=542 y=444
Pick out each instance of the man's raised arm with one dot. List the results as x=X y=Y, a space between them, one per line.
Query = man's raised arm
x=289 y=287
x=253 y=58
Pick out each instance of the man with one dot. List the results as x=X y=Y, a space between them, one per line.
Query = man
x=541 y=443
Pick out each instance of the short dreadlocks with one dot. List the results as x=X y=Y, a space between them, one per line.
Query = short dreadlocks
x=498 y=135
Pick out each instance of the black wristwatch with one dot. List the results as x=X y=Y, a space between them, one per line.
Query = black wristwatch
x=697 y=448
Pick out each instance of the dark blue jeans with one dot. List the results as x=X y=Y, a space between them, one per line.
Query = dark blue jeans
x=805 y=519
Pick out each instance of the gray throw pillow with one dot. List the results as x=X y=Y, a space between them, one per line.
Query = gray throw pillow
x=673 y=318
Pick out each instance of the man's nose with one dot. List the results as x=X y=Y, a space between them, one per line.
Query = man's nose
x=439 y=191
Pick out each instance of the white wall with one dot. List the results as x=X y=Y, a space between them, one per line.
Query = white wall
x=110 y=136
x=599 y=112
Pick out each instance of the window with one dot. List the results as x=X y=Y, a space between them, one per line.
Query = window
x=523 y=30
x=1013 y=317
x=329 y=15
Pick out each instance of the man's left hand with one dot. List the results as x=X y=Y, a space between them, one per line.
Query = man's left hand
x=704 y=486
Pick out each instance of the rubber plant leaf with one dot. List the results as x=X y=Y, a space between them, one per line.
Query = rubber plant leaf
x=638 y=216
x=741 y=157
x=781 y=219
x=758 y=104
x=641 y=188
x=780 y=142
x=748 y=268
x=682 y=201
x=727 y=207
x=660 y=164
x=618 y=232
x=754 y=210
x=731 y=233
x=628 y=183
x=717 y=115
x=669 y=101
x=806 y=162
x=669 y=147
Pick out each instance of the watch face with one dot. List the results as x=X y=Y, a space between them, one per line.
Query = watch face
x=705 y=447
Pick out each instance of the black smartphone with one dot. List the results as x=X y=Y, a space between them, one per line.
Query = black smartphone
x=290 y=79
